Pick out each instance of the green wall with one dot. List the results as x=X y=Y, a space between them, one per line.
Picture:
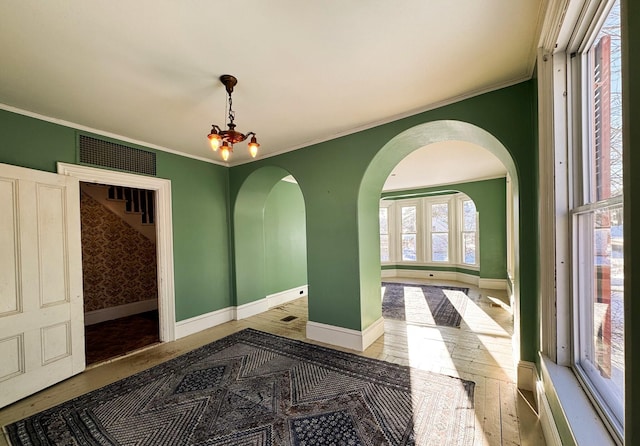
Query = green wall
x=490 y=198
x=330 y=175
x=199 y=194
x=285 y=238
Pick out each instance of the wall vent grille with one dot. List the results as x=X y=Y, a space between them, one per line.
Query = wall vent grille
x=116 y=156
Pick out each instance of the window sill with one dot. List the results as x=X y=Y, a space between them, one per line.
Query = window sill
x=572 y=410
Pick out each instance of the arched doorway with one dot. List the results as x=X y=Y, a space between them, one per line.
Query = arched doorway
x=368 y=204
x=269 y=226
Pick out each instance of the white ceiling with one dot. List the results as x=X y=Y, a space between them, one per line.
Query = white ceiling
x=444 y=163
x=147 y=70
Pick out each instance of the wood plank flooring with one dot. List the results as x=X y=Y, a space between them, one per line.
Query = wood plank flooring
x=480 y=350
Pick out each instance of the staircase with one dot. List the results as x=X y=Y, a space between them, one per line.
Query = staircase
x=135 y=206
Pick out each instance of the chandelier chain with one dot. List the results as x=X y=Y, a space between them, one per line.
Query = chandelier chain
x=232 y=114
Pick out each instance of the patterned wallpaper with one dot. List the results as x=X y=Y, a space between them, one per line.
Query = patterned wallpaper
x=118 y=263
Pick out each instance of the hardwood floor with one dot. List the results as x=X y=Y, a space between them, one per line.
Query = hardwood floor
x=480 y=350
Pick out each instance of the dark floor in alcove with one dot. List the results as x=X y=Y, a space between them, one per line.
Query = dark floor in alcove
x=114 y=338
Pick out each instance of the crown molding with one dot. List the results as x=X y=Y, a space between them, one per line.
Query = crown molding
x=95 y=131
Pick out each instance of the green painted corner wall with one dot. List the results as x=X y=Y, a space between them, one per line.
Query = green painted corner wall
x=490 y=198
x=285 y=238
x=201 y=240
x=199 y=195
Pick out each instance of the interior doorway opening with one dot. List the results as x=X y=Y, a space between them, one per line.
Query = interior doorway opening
x=119 y=267
x=270 y=243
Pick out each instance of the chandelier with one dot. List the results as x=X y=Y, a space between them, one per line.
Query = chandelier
x=225 y=139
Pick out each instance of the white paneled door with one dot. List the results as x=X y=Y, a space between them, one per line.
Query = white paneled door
x=41 y=313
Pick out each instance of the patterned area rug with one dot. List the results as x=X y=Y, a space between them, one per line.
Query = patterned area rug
x=257 y=389
x=424 y=304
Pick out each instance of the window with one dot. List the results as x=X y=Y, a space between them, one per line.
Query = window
x=433 y=230
x=409 y=233
x=469 y=232
x=384 y=234
x=597 y=219
x=440 y=232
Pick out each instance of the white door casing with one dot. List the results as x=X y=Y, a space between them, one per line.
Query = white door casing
x=41 y=306
x=164 y=231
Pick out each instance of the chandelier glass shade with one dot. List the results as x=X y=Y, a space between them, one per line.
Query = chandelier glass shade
x=225 y=139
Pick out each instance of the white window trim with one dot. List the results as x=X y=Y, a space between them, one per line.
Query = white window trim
x=459 y=240
x=582 y=44
x=391 y=227
x=571 y=21
x=427 y=230
x=419 y=236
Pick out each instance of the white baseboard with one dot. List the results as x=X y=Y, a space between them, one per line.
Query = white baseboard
x=420 y=274
x=287 y=296
x=204 y=321
x=490 y=284
x=270 y=301
x=527 y=375
x=549 y=427
x=250 y=309
x=108 y=314
x=434 y=275
x=372 y=333
x=386 y=273
x=345 y=337
x=493 y=284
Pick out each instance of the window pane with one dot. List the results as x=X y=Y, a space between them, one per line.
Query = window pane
x=384 y=221
x=409 y=219
x=606 y=111
x=469 y=247
x=440 y=217
x=607 y=296
x=469 y=215
x=601 y=301
x=409 y=247
x=440 y=247
x=384 y=248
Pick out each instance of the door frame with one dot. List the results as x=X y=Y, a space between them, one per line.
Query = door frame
x=164 y=231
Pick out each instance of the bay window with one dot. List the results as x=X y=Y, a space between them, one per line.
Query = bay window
x=429 y=231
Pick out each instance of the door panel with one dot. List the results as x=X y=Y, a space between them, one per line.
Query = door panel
x=41 y=313
x=50 y=218
x=9 y=290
